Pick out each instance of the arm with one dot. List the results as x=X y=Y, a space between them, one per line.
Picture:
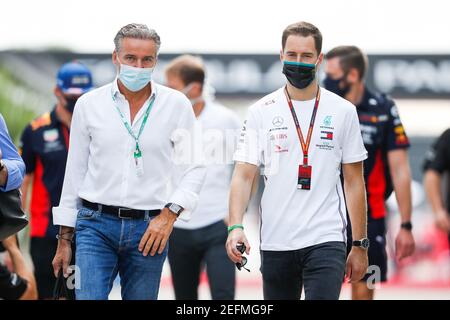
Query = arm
x=21 y=269
x=27 y=181
x=241 y=188
x=401 y=179
x=11 y=176
x=65 y=215
x=432 y=184
x=355 y=195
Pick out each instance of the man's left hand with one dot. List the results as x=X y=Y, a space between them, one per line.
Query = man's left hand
x=157 y=234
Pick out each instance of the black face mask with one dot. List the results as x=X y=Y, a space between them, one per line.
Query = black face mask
x=299 y=74
x=333 y=86
x=70 y=104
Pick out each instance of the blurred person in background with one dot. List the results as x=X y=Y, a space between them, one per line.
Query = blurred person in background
x=200 y=242
x=18 y=283
x=386 y=169
x=303 y=136
x=44 y=147
x=437 y=170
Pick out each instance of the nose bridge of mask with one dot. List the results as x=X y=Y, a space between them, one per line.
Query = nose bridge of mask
x=300 y=64
x=135 y=70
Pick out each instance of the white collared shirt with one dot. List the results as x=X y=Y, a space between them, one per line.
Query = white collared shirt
x=293 y=218
x=101 y=167
x=220 y=130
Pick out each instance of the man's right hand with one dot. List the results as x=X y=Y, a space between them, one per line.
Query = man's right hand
x=62 y=258
x=236 y=236
x=443 y=221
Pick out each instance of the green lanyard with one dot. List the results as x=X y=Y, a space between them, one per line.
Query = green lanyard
x=137 y=152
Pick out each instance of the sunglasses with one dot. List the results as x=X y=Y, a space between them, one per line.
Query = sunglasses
x=241 y=265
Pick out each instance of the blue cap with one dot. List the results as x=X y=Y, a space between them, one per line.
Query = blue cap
x=74 y=78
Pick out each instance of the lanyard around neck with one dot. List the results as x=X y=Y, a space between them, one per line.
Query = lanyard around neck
x=304 y=145
x=137 y=152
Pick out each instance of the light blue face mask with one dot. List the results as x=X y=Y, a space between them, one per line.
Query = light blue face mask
x=134 y=79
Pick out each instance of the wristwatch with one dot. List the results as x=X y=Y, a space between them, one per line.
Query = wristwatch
x=363 y=243
x=174 y=208
x=406 y=226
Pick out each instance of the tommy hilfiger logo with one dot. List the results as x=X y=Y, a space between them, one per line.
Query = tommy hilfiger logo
x=326 y=135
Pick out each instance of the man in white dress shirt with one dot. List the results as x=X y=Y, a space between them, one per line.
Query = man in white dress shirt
x=126 y=138
x=200 y=242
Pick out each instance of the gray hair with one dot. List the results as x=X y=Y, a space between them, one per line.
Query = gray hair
x=136 y=31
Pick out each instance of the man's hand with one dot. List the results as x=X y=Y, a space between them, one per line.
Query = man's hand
x=443 y=220
x=357 y=264
x=62 y=258
x=157 y=234
x=236 y=236
x=10 y=243
x=63 y=254
x=404 y=244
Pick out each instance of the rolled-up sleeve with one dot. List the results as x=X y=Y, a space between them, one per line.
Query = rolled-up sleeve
x=188 y=159
x=77 y=163
x=11 y=159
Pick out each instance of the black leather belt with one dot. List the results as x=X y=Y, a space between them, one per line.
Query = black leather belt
x=122 y=213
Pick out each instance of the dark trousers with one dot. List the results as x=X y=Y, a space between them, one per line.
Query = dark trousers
x=190 y=251
x=319 y=269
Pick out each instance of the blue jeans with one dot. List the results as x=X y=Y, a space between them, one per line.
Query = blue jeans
x=106 y=246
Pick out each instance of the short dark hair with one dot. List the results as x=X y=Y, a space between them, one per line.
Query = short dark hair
x=303 y=29
x=188 y=68
x=350 y=57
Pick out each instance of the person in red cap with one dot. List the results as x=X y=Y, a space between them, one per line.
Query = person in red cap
x=43 y=147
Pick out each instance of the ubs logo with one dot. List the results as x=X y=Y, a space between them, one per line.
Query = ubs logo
x=277 y=121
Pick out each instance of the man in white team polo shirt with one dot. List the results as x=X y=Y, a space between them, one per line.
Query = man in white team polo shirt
x=302 y=136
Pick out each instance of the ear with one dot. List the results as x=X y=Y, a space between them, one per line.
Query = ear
x=196 y=90
x=319 y=60
x=281 y=56
x=59 y=95
x=114 y=59
x=353 y=76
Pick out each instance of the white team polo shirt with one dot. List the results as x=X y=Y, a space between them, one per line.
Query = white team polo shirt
x=292 y=218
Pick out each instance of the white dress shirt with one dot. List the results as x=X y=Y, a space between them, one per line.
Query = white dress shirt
x=101 y=167
x=220 y=132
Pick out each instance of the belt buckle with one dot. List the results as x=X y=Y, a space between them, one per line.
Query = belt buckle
x=120 y=213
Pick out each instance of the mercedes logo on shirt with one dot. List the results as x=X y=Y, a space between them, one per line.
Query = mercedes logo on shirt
x=277 y=121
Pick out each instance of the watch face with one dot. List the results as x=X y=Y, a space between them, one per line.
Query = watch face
x=175 y=208
x=365 y=243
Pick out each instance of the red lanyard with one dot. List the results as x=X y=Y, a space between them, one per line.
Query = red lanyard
x=304 y=145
